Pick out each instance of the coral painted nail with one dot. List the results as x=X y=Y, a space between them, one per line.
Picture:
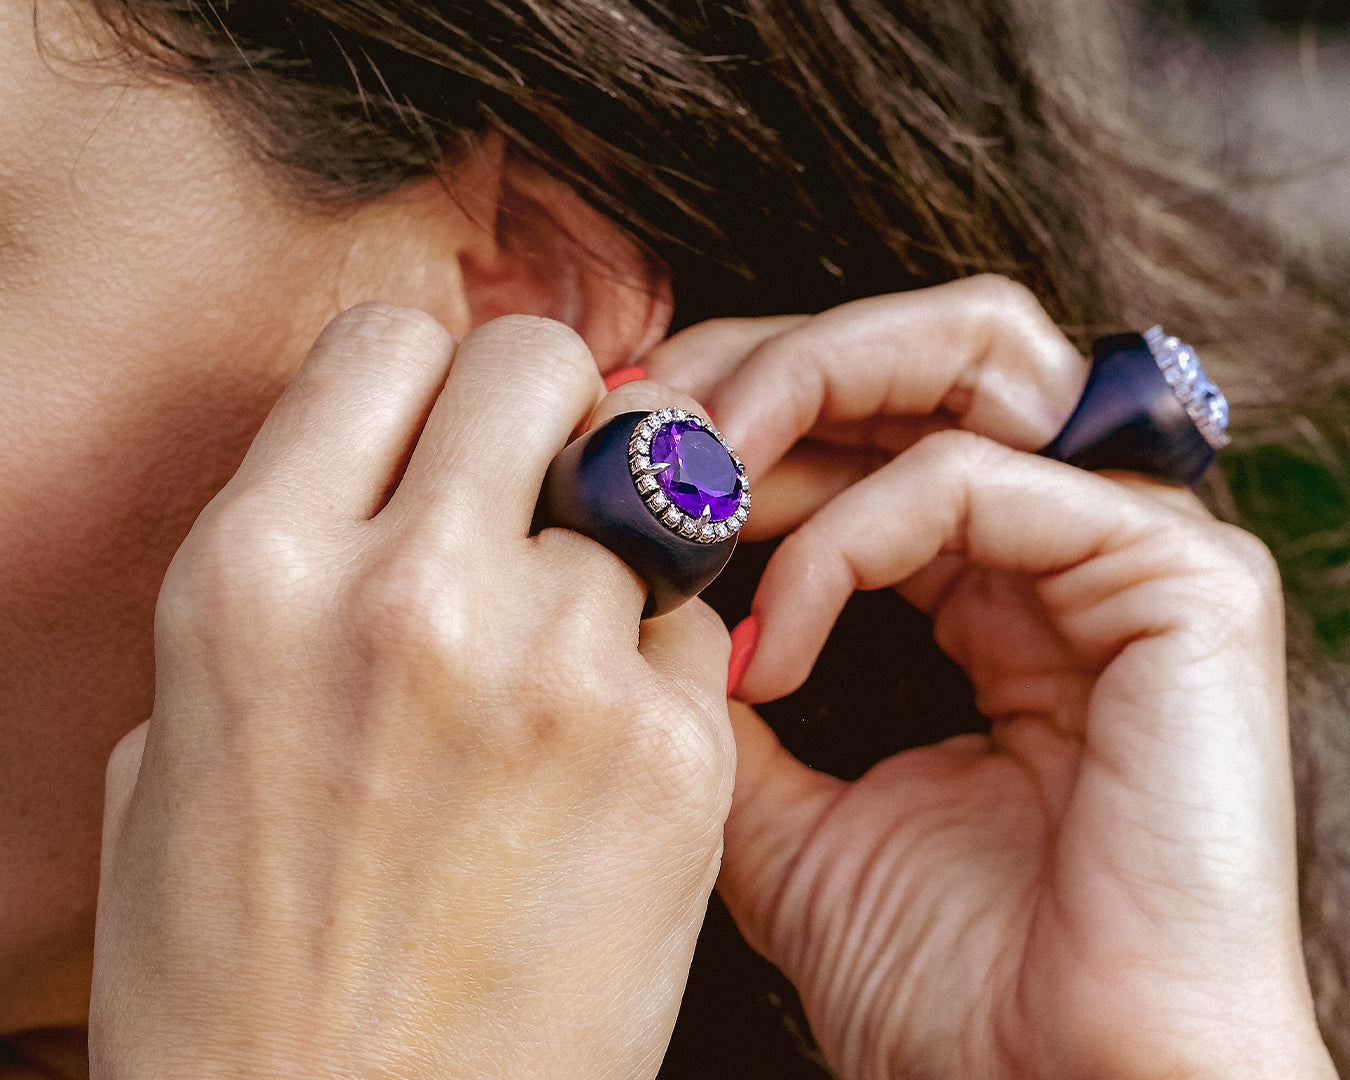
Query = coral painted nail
x=744 y=639
x=619 y=376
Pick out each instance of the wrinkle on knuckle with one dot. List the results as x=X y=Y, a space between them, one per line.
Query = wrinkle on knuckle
x=1244 y=577
x=1221 y=585
x=390 y=329
x=683 y=760
x=535 y=333
x=375 y=335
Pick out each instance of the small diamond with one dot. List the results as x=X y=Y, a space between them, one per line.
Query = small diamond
x=1218 y=411
x=1181 y=368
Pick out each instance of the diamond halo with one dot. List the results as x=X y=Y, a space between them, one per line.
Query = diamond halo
x=701 y=528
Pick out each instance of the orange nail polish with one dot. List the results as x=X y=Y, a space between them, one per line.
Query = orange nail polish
x=619 y=376
x=744 y=639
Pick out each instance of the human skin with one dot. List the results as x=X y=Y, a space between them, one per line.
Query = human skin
x=162 y=300
x=141 y=260
x=1103 y=885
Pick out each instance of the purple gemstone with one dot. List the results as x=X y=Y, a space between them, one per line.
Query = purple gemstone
x=701 y=472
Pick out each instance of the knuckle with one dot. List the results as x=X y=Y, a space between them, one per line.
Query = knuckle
x=412 y=614
x=536 y=334
x=685 y=776
x=955 y=448
x=1009 y=306
x=697 y=763
x=1231 y=582
x=389 y=327
x=803 y=546
x=718 y=325
x=519 y=684
x=241 y=558
x=1249 y=567
x=1003 y=294
x=708 y=625
x=375 y=334
x=394 y=334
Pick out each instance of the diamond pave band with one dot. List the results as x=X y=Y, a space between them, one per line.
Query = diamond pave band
x=1185 y=375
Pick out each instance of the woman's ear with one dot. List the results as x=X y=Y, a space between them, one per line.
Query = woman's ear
x=495 y=235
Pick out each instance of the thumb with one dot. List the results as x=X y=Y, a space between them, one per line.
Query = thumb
x=774 y=811
x=124 y=767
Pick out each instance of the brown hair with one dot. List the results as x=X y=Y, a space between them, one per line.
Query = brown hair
x=787 y=155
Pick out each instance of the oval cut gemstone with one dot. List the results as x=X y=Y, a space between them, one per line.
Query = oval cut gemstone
x=700 y=472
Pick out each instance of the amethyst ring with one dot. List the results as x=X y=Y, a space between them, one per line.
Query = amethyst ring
x=1148 y=407
x=662 y=490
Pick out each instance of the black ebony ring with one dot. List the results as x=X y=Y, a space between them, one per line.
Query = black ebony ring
x=662 y=490
x=1148 y=407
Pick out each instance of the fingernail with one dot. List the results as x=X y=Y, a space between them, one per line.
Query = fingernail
x=619 y=376
x=744 y=639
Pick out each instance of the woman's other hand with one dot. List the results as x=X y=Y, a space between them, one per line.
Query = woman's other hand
x=814 y=403
x=1104 y=885
x=419 y=796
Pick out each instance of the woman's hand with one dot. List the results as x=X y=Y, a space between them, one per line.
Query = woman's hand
x=1103 y=886
x=419 y=796
x=813 y=404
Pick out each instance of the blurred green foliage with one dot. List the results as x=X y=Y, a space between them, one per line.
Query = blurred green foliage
x=1300 y=506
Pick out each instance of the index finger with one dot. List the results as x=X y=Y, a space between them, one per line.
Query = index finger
x=1112 y=564
x=982 y=350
